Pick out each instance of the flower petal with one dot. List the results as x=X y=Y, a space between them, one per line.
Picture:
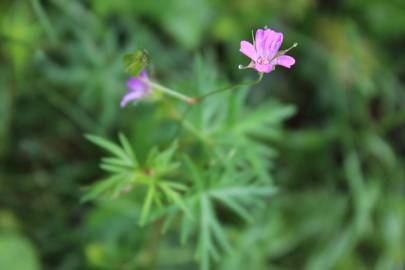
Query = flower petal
x=139 y=82
x=132 y=95
x=269 y=37
x=273 y=44
x=248 y=49
x=264 y=68
x=134 y=83
x=259 y=41
x=144 y=75
x=284 y=60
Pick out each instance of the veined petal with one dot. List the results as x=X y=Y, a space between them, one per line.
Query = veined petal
x=269 y=37
x=259 y=42
x=273 y=44
x=264 y=68
x=248 y=49
x=284 y=60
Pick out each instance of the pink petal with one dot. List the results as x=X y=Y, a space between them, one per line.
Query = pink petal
x=264 y=68
x=285 y=61
x=259 y=41
x=134 y=83
x=269 y=37
x=268 y=42
x=132 y=95
x=273 y=44
x=248 y=49
x=144 y=74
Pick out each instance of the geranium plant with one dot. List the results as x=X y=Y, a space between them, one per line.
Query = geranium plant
x=219 y=165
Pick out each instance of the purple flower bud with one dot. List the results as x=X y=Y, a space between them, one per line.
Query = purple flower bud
x=138 y=87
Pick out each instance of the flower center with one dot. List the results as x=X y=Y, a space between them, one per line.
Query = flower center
x=263 y=60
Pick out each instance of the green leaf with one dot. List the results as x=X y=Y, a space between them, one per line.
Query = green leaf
x=164 y=157
x=136 y=61
x=243 y=191
x=194 y=172
x=177 y=186
x=236 y=207
x=17 y=253
x=107 y=145
x=216 y=228
x=111 y=168
x=175 y=197
x=147 y=205
x=127 y=146
x=170 y=218
x=187 y=226
x=100 y=188
x=117 y=162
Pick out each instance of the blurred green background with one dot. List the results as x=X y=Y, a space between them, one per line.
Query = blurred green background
x=341 y=159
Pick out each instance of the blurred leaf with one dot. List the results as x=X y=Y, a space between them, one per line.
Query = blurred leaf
x=17 y=253
x=135 y=62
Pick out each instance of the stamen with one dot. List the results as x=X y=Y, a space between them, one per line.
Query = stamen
x=280 y=53
x=243 y=67
x=292 y=47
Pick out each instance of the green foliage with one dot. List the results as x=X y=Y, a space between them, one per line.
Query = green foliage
x=136 y=62
x=126 y=174
x=231 y=187
x=192 y=191
x=326 y=134
x=17 y=253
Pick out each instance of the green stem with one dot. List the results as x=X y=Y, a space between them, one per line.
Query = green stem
x=195 y=100
x=181 y=118
x=227 y=88
x=171 y=92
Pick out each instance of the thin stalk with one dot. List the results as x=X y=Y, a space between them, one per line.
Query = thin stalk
x=227 y=88
x=195 y=100
x=280 y=53
x=183 y=123
x=171 y=92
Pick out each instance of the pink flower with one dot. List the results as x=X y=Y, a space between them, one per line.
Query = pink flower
x=264 y=51
x=138 y=87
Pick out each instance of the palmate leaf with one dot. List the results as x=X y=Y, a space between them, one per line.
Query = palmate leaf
x=173 y=196
x=153 y=206
x=124 y=154
x=262 y=120
x=216 y=186
x=147 y=204
x=121 y=166
x=125 y=172
x=211 y=232
x=126 y=146
x=106 y=187
x=163 y=160
x=136 y=61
